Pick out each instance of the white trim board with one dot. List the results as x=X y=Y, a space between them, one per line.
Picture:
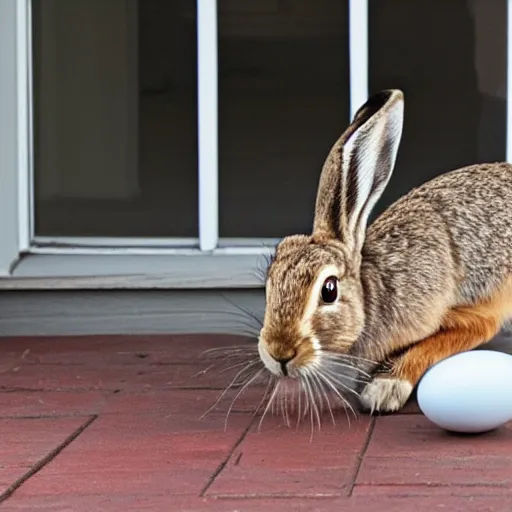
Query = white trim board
x=358 y=49
x=93 y=271
x=208 y=139
x=509 y=83
x=10 y=90
x=150 y=245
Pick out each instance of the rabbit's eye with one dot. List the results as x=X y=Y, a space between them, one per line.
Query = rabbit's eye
x=330 y=290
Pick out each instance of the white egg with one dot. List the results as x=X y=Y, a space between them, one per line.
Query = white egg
x=469 y=392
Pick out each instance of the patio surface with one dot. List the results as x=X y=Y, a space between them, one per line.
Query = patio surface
x=114 y=424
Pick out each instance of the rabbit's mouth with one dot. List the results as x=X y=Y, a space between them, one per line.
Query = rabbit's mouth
x=328 y=382
x=313 y=380
x=322 y=377
x=288 y=361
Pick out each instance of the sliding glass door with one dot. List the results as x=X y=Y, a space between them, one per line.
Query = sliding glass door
x=199 y=127
x=163 y=122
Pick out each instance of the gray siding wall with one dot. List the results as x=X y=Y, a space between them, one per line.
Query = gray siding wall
x=43 y=313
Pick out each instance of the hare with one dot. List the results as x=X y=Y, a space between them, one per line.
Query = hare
x=429 y=278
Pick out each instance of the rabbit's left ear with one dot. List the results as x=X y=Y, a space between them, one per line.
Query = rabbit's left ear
x=358 y=169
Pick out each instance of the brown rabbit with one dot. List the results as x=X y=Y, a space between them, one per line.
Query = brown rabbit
x=431 y=277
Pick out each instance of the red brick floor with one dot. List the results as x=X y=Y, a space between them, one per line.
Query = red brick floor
x=115 y=424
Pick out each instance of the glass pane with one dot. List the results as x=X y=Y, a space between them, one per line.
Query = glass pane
x=450 y=60
x=283 y=101
x=115 y=118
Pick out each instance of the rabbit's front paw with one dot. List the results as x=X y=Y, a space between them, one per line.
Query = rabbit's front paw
x=386 y=394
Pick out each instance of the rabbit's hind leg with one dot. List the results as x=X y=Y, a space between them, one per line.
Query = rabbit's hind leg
x=463 y=328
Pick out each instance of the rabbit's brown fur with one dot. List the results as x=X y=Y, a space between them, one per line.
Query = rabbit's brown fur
x=463 y=328
x=431 y=277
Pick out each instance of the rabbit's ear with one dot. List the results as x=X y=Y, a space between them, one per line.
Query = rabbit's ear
x=358 y=169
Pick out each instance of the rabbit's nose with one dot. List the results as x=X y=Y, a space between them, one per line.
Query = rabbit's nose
x=283 y=362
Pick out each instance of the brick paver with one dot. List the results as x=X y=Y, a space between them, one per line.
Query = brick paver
x=116 y=424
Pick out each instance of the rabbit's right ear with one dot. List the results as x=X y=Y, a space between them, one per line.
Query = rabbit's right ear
x=358 y=169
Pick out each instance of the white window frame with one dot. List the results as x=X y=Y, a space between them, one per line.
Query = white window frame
x=16 y=166
x=508 y=147
x=14 y=133
x=208 y=142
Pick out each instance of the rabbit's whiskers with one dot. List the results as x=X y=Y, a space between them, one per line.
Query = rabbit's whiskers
x=320 y=386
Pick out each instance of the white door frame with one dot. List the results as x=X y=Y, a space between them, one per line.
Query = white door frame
x=509 y=83
x=25 y=123
x=209 y=240
x=14 y=133
x=207 y=79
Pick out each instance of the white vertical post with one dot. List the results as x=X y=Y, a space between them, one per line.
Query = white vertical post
x=358 y=53
x=9 y=155
x=509 y=83
x=24 y=109
x=208 y=123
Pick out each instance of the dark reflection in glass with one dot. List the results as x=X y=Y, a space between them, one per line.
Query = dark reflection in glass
x=450 y=60
x=115 y=98
x=283 y=101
